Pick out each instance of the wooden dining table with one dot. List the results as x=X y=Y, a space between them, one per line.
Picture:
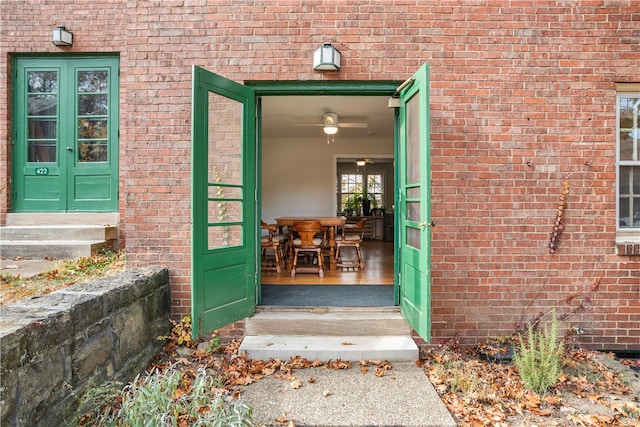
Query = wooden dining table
x=330 y=222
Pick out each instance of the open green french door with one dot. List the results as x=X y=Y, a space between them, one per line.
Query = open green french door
x=65 y=134
x=414 y=204
x=223 y=201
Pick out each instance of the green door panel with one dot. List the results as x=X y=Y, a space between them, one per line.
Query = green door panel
x=65 y=122
x=92 y=187
x=223 y=201
x=414 y=204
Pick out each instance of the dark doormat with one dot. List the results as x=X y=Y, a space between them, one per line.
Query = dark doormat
x=328 y=296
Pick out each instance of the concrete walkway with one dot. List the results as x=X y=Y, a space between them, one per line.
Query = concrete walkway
x=26 y=267
x=402 y=397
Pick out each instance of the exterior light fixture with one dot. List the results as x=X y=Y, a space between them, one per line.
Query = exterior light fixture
x=361 y=163
x=326 y=58
x=61 y=37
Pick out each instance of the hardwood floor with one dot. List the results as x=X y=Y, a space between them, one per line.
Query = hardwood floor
x=378 y=260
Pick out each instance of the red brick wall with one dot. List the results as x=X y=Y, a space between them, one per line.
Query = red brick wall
x=522 y=95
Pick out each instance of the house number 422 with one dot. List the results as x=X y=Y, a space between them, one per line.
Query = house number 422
x=42 y=171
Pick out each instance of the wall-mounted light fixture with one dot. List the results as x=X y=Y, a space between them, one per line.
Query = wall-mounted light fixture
x=326 y=57
x=61 y=37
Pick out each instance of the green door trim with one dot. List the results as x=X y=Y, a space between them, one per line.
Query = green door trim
x=336 y=88
x=343 y=87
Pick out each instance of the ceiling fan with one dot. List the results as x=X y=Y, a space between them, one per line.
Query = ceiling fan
x=364 y=162
x=330 y=124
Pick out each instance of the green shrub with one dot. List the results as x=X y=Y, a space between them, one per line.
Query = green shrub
x=539 y=358
x=164 y=398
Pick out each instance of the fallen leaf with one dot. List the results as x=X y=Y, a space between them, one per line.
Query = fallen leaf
x=326 y=393
x=594 y=397
x=296 y=384
x=312 y=380
x=268 y=371
x=364 y=370
x=379 y=372
x=533 y=401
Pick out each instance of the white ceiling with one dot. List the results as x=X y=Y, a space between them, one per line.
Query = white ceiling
x=280 y=114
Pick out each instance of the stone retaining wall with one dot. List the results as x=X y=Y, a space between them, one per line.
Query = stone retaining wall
x=54 y=346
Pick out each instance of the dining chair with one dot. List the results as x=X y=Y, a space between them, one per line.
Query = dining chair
x=307 y=241
x=276 y=242
x=351 y=235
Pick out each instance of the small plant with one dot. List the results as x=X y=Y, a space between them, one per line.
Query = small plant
x=353 y=204
x=539 y=357
x=180 y=333
x=93 y=401
x=169 y=398
x=214 y=344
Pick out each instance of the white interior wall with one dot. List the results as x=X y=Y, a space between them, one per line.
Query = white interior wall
x=299 y=176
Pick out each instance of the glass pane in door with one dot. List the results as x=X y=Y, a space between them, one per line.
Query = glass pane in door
x=225 y=172
x=42 y=116
x=93 y=116
x=412 y=201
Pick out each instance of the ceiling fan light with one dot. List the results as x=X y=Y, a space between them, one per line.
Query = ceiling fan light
x=330 y=129
x=361 y=163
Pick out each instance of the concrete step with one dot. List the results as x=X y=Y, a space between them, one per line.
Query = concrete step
x=345 y=321
x=37 y=249
x=393 y=348
x=61 y=232
x=63 y=218
x=58 y=235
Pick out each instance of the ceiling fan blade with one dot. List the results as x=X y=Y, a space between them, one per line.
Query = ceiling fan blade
x=353 y=125
x=309 y=124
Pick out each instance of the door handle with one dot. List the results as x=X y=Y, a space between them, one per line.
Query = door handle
x=69 y=148
x=422 y=225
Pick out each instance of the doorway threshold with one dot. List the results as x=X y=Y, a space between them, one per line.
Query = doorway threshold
x=328 y=295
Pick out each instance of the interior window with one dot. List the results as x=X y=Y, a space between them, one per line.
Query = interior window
x=375 y=188
x=351 y=185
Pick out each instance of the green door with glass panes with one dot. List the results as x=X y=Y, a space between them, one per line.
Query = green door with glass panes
x=65 y=134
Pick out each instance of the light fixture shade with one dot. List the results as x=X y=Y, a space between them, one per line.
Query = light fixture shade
x=361 y=163
x=330 y=129
x=326 y=57
x=61 y=37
